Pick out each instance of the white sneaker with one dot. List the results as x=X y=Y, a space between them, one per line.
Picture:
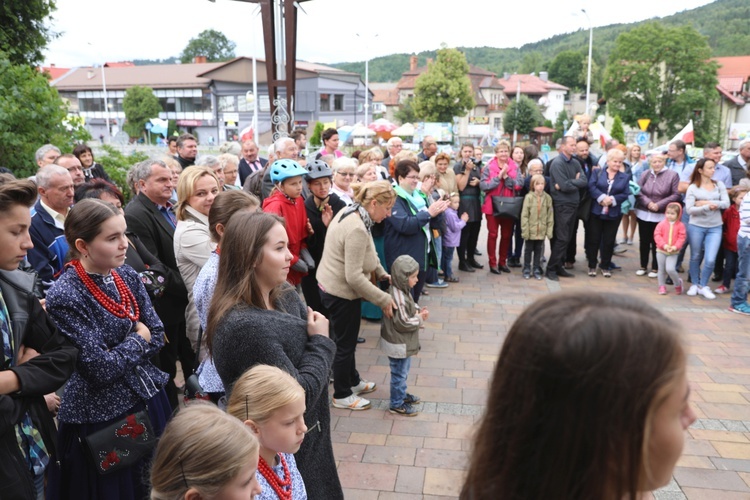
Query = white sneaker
x=363 y=387
x=353 y=402
x=640 y=272
x=693 y=291
x=707 y=293
x=653 y=274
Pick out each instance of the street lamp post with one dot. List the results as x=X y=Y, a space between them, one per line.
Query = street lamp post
x=367 y=81
x=106 y=106
x=588 y=73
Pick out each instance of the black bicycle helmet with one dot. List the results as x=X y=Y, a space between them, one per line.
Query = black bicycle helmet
x=317 y=169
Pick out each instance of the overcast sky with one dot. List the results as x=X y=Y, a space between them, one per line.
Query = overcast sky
x=95 y=31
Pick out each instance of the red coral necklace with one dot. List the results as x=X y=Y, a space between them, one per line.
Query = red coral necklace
x=126 y=308
x=283 y=488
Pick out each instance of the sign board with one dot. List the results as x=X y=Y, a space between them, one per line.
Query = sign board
x=442 y=132
x=643 y=123
x=479 y=120
x=231 y=117
x=642 y=138
x=739 y=131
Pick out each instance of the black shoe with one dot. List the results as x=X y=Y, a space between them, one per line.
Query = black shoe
x=526 y=273
x=411 y=399
x=614 y=267
x=494 y=270
x=564 y=274
x=718 y=277
x=680 y=269
x=360 y=340
x=669 y=281
x=477 y=253
x=552 y=276
x=473 y=263
x=504 y=269
x=514 y=262
x=463 y=266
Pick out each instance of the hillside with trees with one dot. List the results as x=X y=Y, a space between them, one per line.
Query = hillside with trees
x=724 y=22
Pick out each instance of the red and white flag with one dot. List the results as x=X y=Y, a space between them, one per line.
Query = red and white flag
x=247 y=133
x=685 y=135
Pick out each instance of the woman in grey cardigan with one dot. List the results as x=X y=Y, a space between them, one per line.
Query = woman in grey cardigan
x=257 y=318
x=704 y=201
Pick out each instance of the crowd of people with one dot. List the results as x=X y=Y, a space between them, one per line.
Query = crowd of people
x=254 y=274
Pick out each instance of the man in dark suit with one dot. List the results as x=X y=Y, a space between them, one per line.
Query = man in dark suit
x=429 y=148
x=149 y=215
x=739 y=164
x=250 y=161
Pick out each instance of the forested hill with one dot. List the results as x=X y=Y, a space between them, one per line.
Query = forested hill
x=726 y=23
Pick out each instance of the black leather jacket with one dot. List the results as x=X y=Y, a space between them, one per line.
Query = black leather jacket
x=39 y=376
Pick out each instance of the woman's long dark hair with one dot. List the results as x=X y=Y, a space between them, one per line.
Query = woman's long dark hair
x=578 y=379
x=241 y=250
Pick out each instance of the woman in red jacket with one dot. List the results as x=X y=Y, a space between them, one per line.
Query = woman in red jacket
x=286 y=201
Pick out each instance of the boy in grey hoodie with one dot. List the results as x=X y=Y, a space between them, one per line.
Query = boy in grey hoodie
x=399 y=335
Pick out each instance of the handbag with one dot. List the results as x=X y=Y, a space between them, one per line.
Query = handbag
x=507 y=206
x=122 y=443
x=193 y=389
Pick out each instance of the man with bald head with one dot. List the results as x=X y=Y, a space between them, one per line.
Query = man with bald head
x=250 y=161
x=55 y=187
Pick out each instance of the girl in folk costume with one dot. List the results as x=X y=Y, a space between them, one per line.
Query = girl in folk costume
x=272 y=404
x=103 y=308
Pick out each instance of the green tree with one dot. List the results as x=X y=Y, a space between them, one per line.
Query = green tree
x=531 y=63
x=559 y=126
x=24 y=34
x=661 y=73
x=617 y=131
x=315 y=138
x=211 y=44
x=565 y=69
x=444 y=90
x=405 y=113
x=522 y=115
x=31 y=114
x=140 y=105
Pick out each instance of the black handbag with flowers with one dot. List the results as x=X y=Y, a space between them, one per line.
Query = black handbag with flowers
x=122 y=443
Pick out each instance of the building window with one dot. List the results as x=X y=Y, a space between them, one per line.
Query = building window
x=227 y=103
x=325 y=102
x=167 y=104
x=338 y=102
x=496 y=123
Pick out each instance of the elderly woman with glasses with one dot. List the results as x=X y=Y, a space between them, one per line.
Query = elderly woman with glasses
x=343 y=176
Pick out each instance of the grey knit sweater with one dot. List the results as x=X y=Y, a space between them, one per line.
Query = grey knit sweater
x=248 y=336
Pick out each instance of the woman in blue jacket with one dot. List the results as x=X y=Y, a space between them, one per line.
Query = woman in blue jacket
x=407 y=230
x=609 y=189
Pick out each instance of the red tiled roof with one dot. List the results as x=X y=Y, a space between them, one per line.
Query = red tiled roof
x=544 y=130
x=480 y=78
x=738 y=101
x=389 y=97
x=120 y=64
x=731 y=83
x=734 y=66
x=54 y=71
x=530 y=84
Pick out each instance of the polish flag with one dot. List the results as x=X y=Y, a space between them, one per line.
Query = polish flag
x=600 y=133
x=247 y=133
x=685 y=135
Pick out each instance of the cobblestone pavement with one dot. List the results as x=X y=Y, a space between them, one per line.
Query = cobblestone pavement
x=384 y=456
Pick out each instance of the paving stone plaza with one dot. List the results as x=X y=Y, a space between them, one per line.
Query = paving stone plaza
x=384 y=456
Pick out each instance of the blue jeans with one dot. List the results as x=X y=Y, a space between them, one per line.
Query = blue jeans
x=730 y=267
x=399 y=372
x=710 y=239
x=739 y=294
x=446 y=261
